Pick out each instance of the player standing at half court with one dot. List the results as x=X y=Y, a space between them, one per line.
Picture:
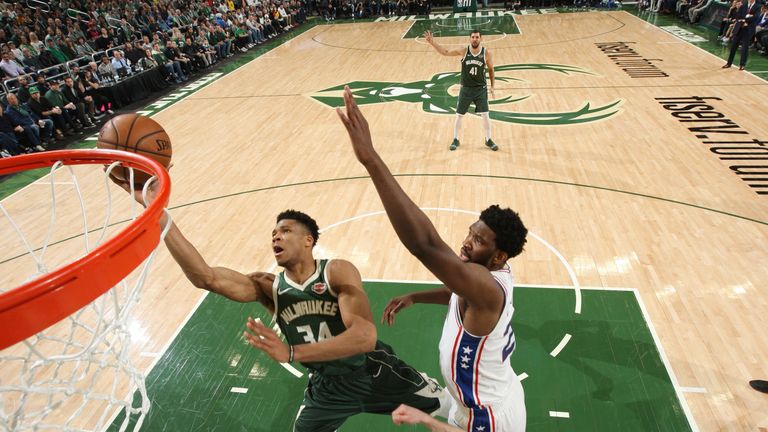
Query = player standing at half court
x=477 y=337
x=474 y=89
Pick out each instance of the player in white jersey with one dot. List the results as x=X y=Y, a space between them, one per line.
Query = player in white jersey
x=477 y=335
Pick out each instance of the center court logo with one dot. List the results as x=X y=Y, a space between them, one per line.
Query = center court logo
x=436 y=99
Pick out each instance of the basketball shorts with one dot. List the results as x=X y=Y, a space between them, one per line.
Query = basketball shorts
x=470 y=95
x=505 y=416
x=379 y=387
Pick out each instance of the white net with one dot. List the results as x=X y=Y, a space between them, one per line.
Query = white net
x=77 y=375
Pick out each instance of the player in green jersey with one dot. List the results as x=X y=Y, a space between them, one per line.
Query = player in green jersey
x=476 y=59
x=324 y=313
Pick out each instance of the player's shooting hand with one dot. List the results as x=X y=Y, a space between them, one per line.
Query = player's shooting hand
x=393 y=307
x=265 y=339
x=357 y=128
x=137 y=191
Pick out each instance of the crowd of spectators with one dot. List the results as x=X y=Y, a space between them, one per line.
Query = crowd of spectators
x=692 y=11
x=56 y=55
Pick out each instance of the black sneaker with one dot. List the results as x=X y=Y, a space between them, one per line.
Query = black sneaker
x=759 y=385
x=454 y=144
x=492 y=145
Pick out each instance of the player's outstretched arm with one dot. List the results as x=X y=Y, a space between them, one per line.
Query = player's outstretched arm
x=405 y=414
x=439 y=48
x=413 y=227
x=223 y=281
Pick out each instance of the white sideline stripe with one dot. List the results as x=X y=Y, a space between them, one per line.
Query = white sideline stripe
x=522 y=376
x=238 y=390
x=561 y=345
x=561 y=414
x=667 y=364
x=693 y=390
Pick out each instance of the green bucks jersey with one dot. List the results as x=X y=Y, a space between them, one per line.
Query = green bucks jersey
x=309 y=313
x=473 y=68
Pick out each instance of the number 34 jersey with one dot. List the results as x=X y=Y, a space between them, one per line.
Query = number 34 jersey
x=309 y=313
x=476 y=369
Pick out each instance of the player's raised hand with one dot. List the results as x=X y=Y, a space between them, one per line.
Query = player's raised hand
x=357 y=128
x=394 y=306
x=428 y=36
x=265 y=339
x=138 y=193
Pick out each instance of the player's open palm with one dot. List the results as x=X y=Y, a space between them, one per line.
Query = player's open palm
x=393 y=307
x=265 y=339
x=428 y=36
x=357 y=128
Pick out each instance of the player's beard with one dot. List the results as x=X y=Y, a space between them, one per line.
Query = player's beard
x=475 y=45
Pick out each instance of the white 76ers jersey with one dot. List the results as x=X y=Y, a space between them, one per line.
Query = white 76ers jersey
x=476 y=369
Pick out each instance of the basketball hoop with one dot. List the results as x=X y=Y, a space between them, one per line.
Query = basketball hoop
x=64 y=333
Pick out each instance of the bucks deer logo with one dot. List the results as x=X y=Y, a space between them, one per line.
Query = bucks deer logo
x=435 y=98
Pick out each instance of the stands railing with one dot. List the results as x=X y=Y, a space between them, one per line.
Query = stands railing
x=79 y=15
x=37 y=4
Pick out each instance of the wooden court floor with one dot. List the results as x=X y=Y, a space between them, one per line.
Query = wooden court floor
x=626 y=150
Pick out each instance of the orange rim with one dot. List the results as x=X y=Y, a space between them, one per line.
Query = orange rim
x=40 y=303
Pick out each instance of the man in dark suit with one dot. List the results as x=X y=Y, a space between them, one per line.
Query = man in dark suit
x=743 y=32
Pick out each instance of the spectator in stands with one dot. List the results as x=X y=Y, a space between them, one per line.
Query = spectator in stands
x=119 y=62
x=208 y=51
x=46 y=59
x=23 y=91
x=74 y=32
x=35 y=42
x=55 y=50
x=173 y=53
x=10 y=68
x=45 y=110
x=726 y=25
x=172 y=68
x=39 y=132
x=103 y=41
x=256 y=29
x=9 y=144
x=194 y=52
x=242 y=37
x=69 y=111
x=83 y=48
x=30 y=62
x=761 y=31
x=17 y=54
x=24 y=44
x=41 y=84
x=134 y=54
x=69 y=49
x=89 y=85
x=84 y=107
x=105 y=69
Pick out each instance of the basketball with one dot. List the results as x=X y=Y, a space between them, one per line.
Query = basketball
x=137 y=134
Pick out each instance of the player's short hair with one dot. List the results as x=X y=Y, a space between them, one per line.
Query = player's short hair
x=303 y=219
x=508 y=227
x=475 y=31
